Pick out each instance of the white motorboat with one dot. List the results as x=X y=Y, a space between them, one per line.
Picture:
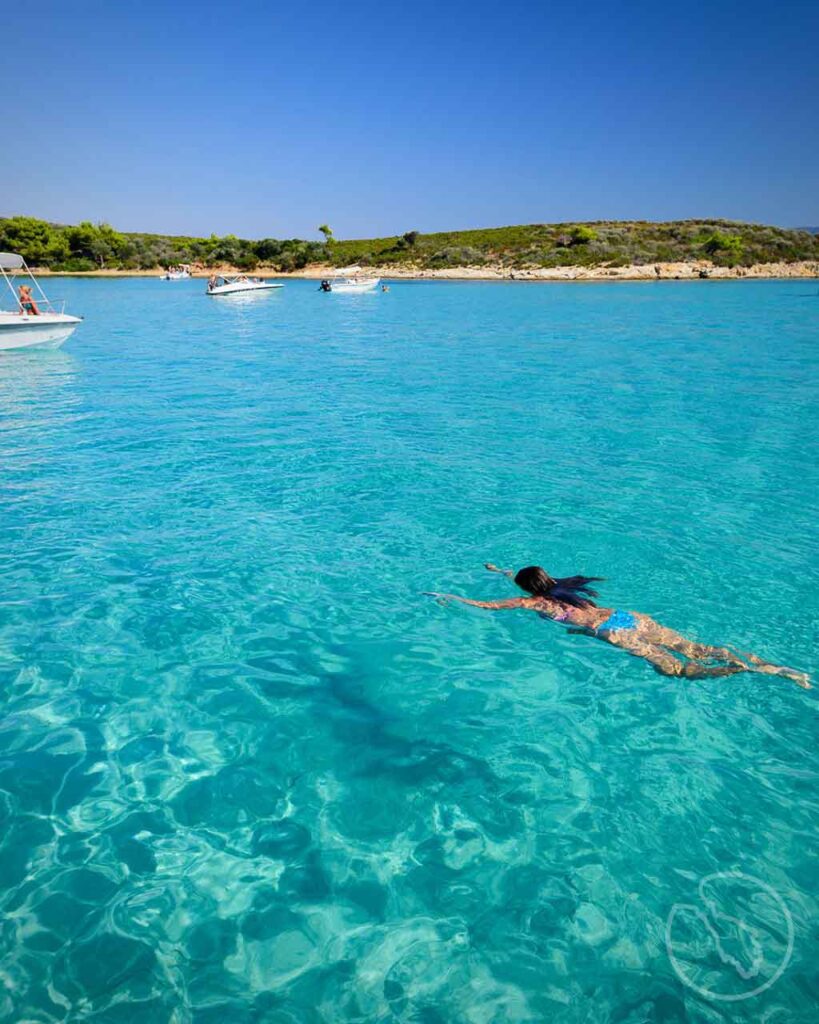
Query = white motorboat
x=35 y=322
x=176 y=274
x=351 y=281
x=223 y=284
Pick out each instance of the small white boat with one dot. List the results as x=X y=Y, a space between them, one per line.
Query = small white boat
x=42 y=323
x=351 y=281
x=179 y=274
x=223 y=284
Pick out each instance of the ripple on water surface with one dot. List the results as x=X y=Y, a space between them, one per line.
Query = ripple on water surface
x=249 y=774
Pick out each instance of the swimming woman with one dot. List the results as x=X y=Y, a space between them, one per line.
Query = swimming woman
x=569 y=601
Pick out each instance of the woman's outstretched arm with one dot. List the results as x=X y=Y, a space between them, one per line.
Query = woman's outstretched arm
x=503 y=572
x=512 y=602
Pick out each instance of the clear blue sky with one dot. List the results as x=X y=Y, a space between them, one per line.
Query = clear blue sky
x=269 y=119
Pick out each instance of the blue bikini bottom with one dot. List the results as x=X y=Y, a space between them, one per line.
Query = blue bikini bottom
x=617 y=620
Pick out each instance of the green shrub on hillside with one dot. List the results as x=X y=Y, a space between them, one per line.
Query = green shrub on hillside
x=724 y=249
x=581 y=234
x=457 y=256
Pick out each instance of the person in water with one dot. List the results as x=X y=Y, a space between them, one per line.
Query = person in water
x=569 y=600
x=27 y=303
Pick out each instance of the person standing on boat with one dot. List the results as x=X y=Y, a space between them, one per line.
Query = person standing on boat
x=211 y=282
x=27 y=303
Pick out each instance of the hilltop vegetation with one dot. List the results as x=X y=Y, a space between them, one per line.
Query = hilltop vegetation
x=612 y=243
x=90 y=246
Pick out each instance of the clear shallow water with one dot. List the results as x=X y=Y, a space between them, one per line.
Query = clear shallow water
x=249 y=774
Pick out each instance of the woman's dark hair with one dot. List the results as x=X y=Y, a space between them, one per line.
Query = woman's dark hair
x=570 y=589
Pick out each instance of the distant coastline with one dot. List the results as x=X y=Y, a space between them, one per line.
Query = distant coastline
x=587 y=251
x=684 y=271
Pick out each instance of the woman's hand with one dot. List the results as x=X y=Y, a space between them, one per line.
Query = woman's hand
x=494 y=568
x=442 y=599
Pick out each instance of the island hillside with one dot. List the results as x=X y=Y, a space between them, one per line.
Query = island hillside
x=88 y=247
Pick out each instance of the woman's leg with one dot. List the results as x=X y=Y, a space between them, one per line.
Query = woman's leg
x=767 y=668
x=664 y=637
x=667 y=665
x=654 y=633
x=700 y=652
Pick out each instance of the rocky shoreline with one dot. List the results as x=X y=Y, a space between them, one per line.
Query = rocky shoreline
x=701 y=269
x=697 y=270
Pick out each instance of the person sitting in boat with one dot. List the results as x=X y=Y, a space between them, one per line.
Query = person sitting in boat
x=325 y=286
x=27 y=303
x=568 y=601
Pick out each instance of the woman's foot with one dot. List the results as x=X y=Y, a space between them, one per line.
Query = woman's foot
x=800 y=678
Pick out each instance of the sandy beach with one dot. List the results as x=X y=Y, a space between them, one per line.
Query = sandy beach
x=700 y=269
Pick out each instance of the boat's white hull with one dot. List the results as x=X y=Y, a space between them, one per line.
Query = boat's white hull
x=233 y=289
x=356 y=287
x=174 y=277
x=49 y=330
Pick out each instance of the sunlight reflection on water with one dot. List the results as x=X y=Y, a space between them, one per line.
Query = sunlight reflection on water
x=247 y=772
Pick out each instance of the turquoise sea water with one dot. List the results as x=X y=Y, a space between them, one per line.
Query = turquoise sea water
x=248 y=773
